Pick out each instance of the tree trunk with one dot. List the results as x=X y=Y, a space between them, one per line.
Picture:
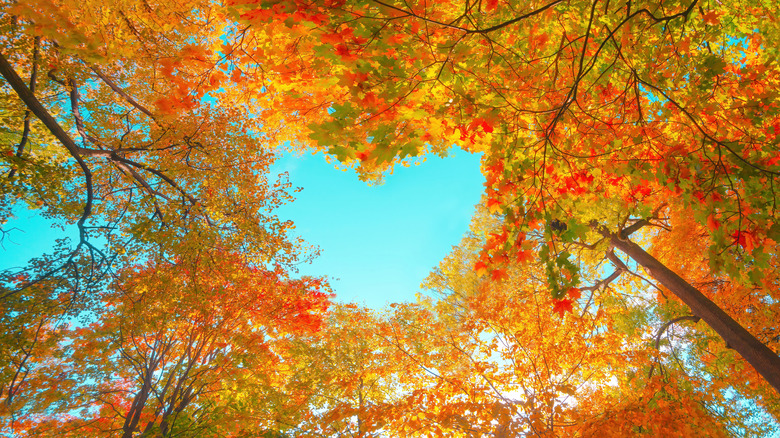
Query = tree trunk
x=764 y=360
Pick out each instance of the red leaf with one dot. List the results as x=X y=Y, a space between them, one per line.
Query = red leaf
x=739 y=238
x=332 y=38
x=562 y=306
x=493 y=205
x=746 y=239
x=712 y=223
x=499 y=274
x=524 y=256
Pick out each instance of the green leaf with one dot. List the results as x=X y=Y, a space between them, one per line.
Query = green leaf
x=714 y=65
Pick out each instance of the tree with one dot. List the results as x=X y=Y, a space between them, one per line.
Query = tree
x=598 y=123
x=126 y=122
x=353 y=378
x=606 y=115
x=493 y=358
x=176 y=349
x=157 y=159
x=608 y=367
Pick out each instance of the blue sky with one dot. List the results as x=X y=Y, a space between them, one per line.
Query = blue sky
x=29 y=235
x=377 y=242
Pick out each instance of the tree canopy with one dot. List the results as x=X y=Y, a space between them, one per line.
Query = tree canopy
x=607 y=116
x=620 y=277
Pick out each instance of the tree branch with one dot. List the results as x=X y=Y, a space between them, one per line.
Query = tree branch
x=75 y=110
x=33 y=80
x=661 y=331
x=471 y=31
x=669 y=323
x=43 y=115
x=761 y=357
x=121 y=92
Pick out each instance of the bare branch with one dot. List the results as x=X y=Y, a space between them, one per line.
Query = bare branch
x=661 y=331
x=668 y=324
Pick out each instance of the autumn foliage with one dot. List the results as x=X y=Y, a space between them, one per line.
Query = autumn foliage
x=620 y=277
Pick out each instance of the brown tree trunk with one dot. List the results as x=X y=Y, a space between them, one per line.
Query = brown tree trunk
x=764 y=360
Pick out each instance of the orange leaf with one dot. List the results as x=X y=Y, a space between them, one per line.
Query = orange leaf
x=562 y=306
x=712 y=223
x=493 y=205
x=499 y=274
x=480 y=268
x=524 y=256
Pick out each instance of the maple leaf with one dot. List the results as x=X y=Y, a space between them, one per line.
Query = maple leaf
x=711 y=17
x=486 y=126
x=525 y=256
x=745 y=239
x=499 y=274
x=562 y=306
x=480 y=268
x=332 y=38
x=362 y=155
x=494 y=205
x=712 y=223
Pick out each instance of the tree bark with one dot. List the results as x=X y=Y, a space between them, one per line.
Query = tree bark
x=763 y=359
x=32 y=103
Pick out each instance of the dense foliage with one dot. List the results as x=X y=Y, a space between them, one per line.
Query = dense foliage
x=620 y=278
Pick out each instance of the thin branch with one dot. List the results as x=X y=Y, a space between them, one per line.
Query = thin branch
x=520 y=18
x=75 y=110
x=471 y=31
x=668 y=324
x=661 y=331
x=122 y=93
